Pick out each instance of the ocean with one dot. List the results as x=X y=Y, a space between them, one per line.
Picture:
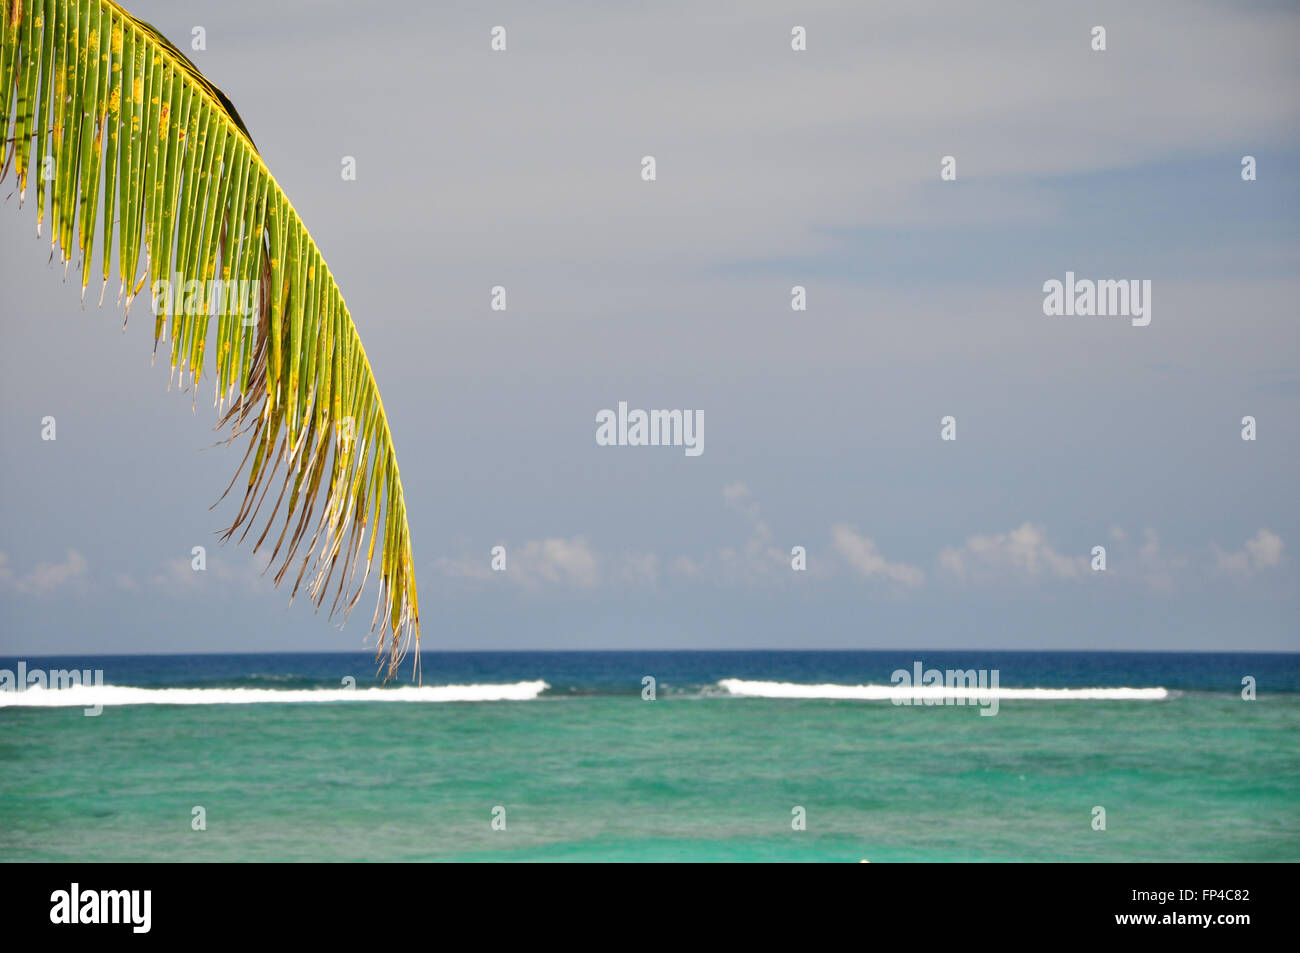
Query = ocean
x=739 y=756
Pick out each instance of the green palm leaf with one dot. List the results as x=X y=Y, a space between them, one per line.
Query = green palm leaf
x=121 y=135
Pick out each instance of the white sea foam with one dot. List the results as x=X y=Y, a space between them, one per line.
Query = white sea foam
x=89 y=696
x=750 y=689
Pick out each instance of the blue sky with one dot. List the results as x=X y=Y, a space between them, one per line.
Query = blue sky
x=775 y=168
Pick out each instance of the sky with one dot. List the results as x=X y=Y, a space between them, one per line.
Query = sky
x=774 y=168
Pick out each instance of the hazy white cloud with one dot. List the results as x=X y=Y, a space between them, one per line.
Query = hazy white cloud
x=1022 y=552
x=1262 y=551
x=1156 y=567
x=642 y=569
x=758 y=556
x=244 y=570
x=175 y=572
x=44 y=577
x=736 y=494
x=686 y=566
x=228 y=568
x=555 y=561
x=463 y=568
x=860 y=552
x=573 y=561
x=560 y=560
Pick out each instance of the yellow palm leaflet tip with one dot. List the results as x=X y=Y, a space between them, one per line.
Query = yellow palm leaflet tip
x=121 y=133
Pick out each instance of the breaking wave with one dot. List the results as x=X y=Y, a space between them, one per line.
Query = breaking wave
x=90 y=696
x=750 y=689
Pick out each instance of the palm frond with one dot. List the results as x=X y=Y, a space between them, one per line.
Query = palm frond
x=123 y=138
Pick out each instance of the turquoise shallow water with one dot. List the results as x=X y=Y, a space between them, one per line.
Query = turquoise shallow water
x=690 y=776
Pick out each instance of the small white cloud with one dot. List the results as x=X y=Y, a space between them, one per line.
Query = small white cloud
x=1023 y=551
x=734 y=493
x=464 y=567
x=642 y=569
x=686 y=566
x=560 y=561
x=1151 y=547
x=45 y=577
x=860 y=552
x=738 y=498
x=1156 y=567
x=758 y=557
x=1237 y=564
x=1265 y=549
x=233 y=569
x=175 y=572
x=1262 y=551
x=556 y=561
x=950 y=559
